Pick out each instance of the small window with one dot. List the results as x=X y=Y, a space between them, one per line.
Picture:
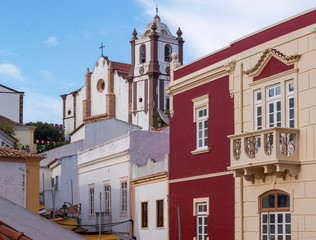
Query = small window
x=100 y=85
x=124 y=197
x=144 y=214
x=168 y=51
x=274 y=106
x=258 y=110
x=201 y=211
x=160 y=211
x=91 y=201
x=107 y=198
x=142 y=53
x=290 y=116
x=275 y=215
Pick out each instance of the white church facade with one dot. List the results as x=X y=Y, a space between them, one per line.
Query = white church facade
x=128 y=92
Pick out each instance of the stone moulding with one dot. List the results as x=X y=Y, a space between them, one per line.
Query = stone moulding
x=265 y=57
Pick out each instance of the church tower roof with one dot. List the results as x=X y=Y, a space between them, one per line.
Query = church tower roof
x=162 y=29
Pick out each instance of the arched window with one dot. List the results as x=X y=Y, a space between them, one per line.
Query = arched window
x=275 y=215
x=142 y=53
x=168 y=51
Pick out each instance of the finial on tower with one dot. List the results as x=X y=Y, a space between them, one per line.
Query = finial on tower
x=134 y=34
x=156 y=9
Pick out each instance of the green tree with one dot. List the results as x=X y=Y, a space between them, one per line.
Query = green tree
x=7 y=127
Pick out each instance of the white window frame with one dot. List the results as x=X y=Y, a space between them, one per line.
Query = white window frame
x=201 y=215
x=289 y=96
x=274 y=100
x=275 y=225
x=91 y=201
x=123 y=190
x=201 y=104
x=258 y=104
x=107 y=197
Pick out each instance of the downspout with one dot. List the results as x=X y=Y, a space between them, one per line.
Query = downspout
x=241 y=178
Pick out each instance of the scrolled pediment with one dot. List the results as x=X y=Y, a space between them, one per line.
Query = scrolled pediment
x=266 y=56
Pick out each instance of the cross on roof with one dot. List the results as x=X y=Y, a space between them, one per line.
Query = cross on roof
x=102 y=46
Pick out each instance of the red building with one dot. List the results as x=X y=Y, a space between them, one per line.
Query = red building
x=202 y=116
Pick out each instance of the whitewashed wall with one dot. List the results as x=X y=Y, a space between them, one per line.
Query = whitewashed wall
x=11 y=109
x=121 y=97
x=12 y=182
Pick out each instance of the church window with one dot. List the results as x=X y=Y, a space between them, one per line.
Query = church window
x=275 y=215
x=140 y=99
x=100 y=85
x=142 y=54
x=69 y=112
x=168 y=51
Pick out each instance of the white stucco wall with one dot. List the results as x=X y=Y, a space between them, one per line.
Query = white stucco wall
x=12 y=182
x=151 y=192
x=98 y=100
x=11 y=109
x=79 y=106
x=78 y=135
x=106 y=162
x=121 y=97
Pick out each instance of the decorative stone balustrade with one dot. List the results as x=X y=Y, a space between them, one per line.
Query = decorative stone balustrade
x=267 y=151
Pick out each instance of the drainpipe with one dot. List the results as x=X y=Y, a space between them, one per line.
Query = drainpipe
x=241 y=178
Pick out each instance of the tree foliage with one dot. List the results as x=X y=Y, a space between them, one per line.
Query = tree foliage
x=47 y=132
x=158 y=122
x=7 y=127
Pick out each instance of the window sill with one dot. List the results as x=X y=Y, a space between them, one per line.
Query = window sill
x=200 y=151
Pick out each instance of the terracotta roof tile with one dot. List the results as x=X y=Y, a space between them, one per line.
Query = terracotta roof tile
x=4 y=119
x=122 y=68
x=8 y=233
x=13 y=153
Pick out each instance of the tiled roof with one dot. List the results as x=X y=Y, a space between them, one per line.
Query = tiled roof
x=8 y=233
x=13 y=153
x=4 y=119
x=122 y=68
x=11 y=89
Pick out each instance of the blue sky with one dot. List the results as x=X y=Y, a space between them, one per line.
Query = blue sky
x=46 y=45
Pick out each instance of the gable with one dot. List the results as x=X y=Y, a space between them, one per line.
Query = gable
x=273 y=67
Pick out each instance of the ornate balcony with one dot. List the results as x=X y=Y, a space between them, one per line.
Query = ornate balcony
x=272 y=150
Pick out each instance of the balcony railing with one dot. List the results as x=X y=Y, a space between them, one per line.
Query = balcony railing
x=272 y=150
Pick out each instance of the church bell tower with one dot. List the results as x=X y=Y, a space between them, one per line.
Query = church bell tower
x=149 y=72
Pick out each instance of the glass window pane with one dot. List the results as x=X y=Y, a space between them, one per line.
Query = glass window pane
x=200 y=143
x=268 y=201
x=288 y=217
x=272 y=218
x=280 y=228
x=278 y=106
x=291 y=113
x=259 y=122
x=271 y=118
x=205 y=142
x=205 y=133
x=265 y=237
x=288 y=237
x=200 y=125
x=265 y=218
x=200 y=113
x=280 y=218
x=272 y=228
x=205 y=124
x=288 y=228
x=280 y=237
x=283 y=200
x=200 y=134
x=291 y=102
x=278 y=91
x=291 y=87
x=200 y=221
x=259 y=111
x=205 y=219
x=258 y=96
x=200 y=229
x=278 y=116
x=271 y=92
x=271 y=107
x=265 y=229
x=204 y=112
x=291 y=123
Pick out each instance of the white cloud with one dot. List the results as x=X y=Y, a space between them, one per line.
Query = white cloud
x=51 y=41
x=10 y=70
x=40 y=107
x=5 y=52
x=210 y=25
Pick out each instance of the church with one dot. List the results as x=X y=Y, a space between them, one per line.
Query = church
x=129 y=92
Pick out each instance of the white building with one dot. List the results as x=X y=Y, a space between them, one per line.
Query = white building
x=13 y=109
x=150 y=203
x=106 y=169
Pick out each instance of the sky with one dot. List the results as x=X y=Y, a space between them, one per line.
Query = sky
x=47 y=45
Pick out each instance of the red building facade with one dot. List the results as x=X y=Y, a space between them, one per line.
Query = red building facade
x=200 y=184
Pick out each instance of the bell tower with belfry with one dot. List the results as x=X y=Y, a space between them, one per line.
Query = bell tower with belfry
x=149 y=72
